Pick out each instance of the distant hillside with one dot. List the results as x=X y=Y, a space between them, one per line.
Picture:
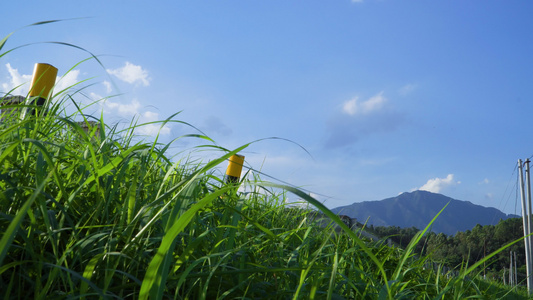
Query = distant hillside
x=419 y=207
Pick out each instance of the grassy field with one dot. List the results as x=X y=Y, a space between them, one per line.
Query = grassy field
x=98 y=214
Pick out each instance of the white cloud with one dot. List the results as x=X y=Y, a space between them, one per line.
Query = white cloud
x=373 y=104
x=436 y=185
x=68 y=80
x=108 y=86
x=153 y=129
x=16 y=80
x=94 y=96
x=150 y=116
x=125 y=110
x=356 y=119
x=407 y=89
x=485 y=181
x=299 y=202
x=129 y=110
x=131 y=73
x=350 y=107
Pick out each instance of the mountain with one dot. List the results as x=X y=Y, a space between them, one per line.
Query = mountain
x=418 y=208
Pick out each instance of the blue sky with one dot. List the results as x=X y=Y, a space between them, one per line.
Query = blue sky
x=386 y=96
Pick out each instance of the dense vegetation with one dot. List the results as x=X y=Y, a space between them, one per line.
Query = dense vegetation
x=98 y=214
x=467 y=247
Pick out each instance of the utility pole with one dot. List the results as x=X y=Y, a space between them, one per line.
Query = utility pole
x=515 y=269
x=530 y=238
x=503 y=277
x=525 y=220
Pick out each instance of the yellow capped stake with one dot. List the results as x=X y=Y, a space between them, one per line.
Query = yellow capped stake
x=233 y=172
x=44 y=79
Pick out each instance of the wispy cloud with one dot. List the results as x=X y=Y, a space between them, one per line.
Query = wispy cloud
x=376 y=161
x=131 y=73
x=214 y=124
x=134 y=108
x=152 y=129
x=123 y=109
x=407 y=89
x=436 y=185
x=108 y=87
x=357 y=118
x=355 y=107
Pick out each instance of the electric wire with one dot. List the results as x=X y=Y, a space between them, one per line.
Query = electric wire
x=289 y=184
x=505 y=193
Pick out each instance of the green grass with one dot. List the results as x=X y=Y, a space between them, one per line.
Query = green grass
x=99 y=214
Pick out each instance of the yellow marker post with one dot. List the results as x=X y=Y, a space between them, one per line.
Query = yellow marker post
x=44 y=79
x=233 y=172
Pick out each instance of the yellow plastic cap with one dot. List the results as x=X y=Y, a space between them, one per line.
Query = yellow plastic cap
x=44 y=79
x=235 y=165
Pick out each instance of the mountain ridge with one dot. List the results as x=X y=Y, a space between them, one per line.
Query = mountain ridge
x=417 y=209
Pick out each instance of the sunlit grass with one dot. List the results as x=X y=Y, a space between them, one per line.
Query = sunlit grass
x=98 y=214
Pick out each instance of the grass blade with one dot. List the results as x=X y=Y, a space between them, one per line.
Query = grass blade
x=151 y=286
x=12 y=229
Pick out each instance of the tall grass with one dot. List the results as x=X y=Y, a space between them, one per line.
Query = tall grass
x=96 y=214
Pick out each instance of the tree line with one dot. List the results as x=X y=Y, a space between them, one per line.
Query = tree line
x=466 y=248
